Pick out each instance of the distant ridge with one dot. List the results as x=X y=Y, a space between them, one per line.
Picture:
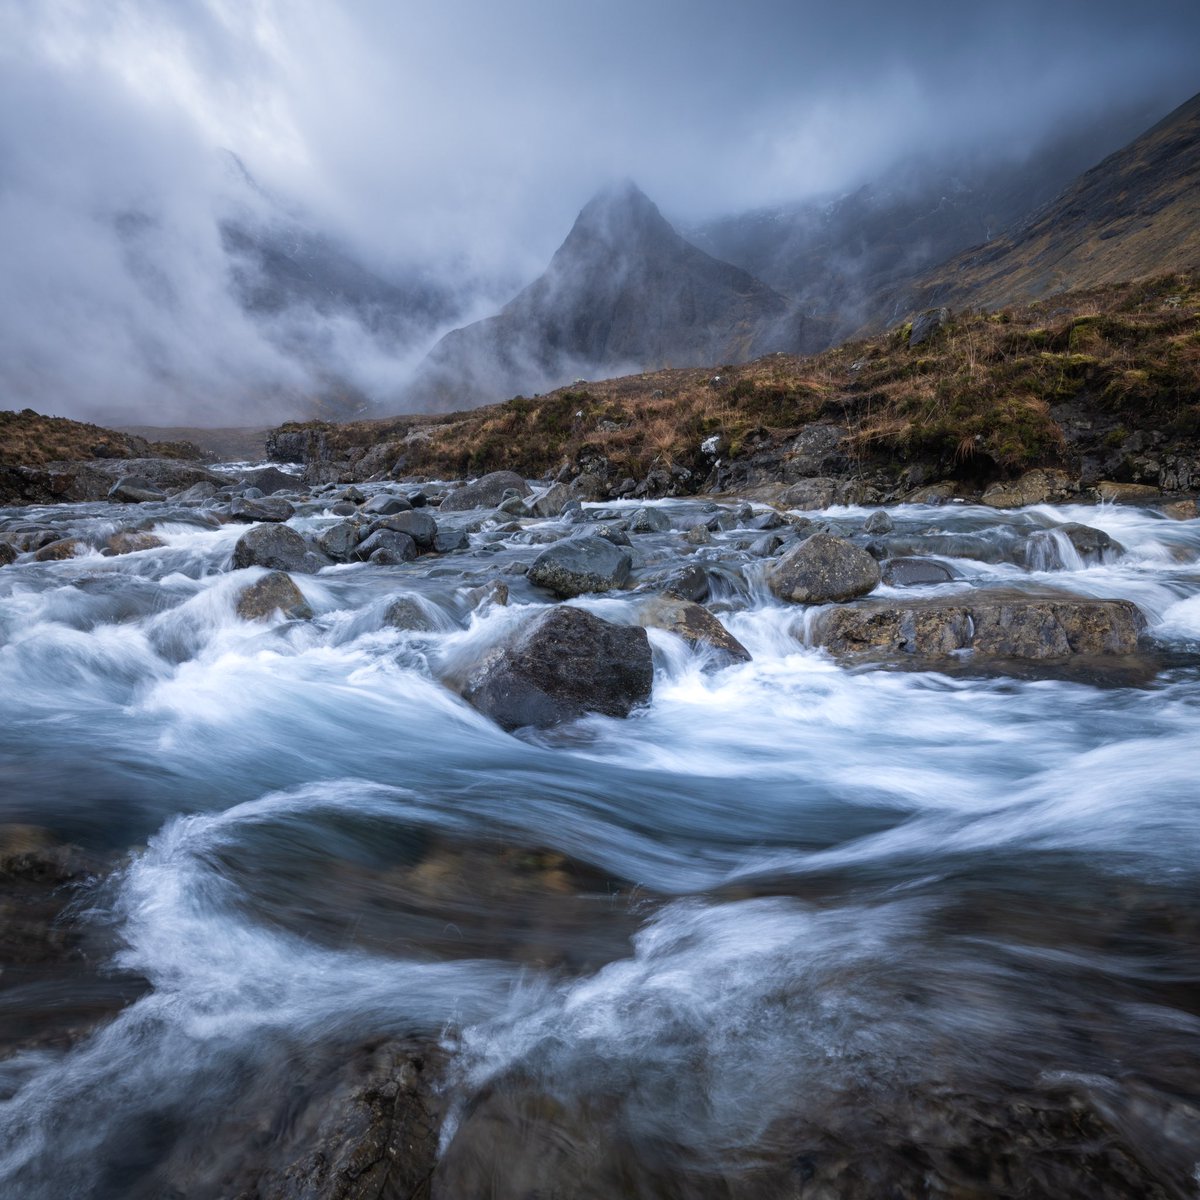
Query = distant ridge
x=624 y=292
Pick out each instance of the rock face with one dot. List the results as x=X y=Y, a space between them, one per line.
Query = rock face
x=579 y=565
x=486 y=492
x=276 y=547
x=1021 y=627
x=823 y=568
x=274 y=592
x=560 y=666
x=694 y=623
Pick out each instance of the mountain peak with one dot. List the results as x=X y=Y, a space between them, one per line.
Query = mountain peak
x=620 y=212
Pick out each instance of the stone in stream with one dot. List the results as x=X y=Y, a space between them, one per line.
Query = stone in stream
x=698 y=535
x=485 y=492
x=418 y=525
x=694 y=623
x=579 y=565
x=1094 y=546
x=1127 y=493
x=196 y=494
x=445 y=541
x=385 y=505
x=878 y=522
x=8 y=554
x=135 y=489
x=823 y=568
x=68 y=547
x=649 y=520
x=991 y=625
x=268 y=508
x=277 y=547
x=386 y=547
x=270 y=480
x=915 y=572
x=551 y=502
x=408 y=613
x=339 y=541
x=274 y=592
x=561 y=665
x=1040 y=486
x=130 y=541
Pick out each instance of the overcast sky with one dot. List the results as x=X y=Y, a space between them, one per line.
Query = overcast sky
x=469 y=133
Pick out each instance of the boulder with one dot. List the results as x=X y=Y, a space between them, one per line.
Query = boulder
x=486 y=492
x=928 y=323
x=343 y=508
x=419 y=526
x=1126 y=493
x=824 y=491
x=1181 y=510
x=8 y=554
x=384 y=505
x=63 y=548
x=821 y=569
x=878 y=522
x=270 y=480
x=1041 y=486
x=914 y=572
x=698 y=535
x=269 y=508
x=992 y=626
x=407 y=612
x=196 y=494
x=274 y=592
x=130 y=541
x=447 y=540
x=694 y=623
x=391 y=547
x=561 y=665
x=134 y=489
x=1044 y=550
x=551 y=502
x=649 y=520
x=275 y=546
x=578 y=565
x=339 y=541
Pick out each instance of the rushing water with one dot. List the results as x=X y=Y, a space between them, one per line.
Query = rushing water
x=792 y=905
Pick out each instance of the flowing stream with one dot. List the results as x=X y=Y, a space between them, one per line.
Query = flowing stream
x=787 y=910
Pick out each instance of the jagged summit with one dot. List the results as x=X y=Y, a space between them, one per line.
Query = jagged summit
x=624 y=292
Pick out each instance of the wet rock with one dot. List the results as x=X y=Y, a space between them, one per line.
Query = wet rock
x=408 y=613
x=551 y=502
x=512 y=503
x=580 y=565
x=878 y=522
x=689 y=583
x=343 y=508
x=417 y=499
x=1020 y=627
x=933 y=493
x=268 y=508
x=69 y=547
x=274 y=592
x=694 y=623
x=764 y=521
x=486 y=492
x=481 y=598
x=1126 y=493
x=419 y=526
x=698 y=535
x=926 y=325
x=276 y=547
x=196 y=494
x=270 y=480
x=131 y=541
x=339 y=541
x=386 y=547
x=823 y=491
x=821 y=569
x=135 y=489
x=445 y=541
x=612 y=533
x=649 y=520
x=385 y=505
x=766 y=546
x=1181 y=510
x=351 y=495
x=8 y=554
x=560 y=666
x=1043 y=549
x=915 y=572
x=1034 y=487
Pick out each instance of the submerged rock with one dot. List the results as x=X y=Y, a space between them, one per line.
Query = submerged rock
x=821 y=569
x=694 y=623
x=914 y=572
x=560 y=666
x=64 y=548
x=1043 y=550
x=1022 y=627
x=274 y=592
x=485 y=492
x=579 y=565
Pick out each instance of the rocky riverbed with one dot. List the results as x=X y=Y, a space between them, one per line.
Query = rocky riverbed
x=416 y=839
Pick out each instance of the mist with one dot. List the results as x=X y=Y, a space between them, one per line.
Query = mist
x=442 y=156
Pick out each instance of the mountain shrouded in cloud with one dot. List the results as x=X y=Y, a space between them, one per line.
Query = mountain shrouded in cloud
x=624 y=292
x=414 y=168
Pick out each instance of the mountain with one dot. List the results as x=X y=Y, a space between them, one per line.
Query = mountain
x=1135 y=214
x=843 y=259
x=625 y=292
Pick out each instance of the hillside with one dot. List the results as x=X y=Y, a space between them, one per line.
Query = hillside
x=1134 y=215
x=1102 y=382
x=623 y=292
x=29 y=439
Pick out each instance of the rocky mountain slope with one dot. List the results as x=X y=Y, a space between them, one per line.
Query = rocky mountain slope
x=1133 y=215
x=624 y=292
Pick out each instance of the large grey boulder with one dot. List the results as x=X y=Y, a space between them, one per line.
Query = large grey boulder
x=268 y=508
x=274 y=592
x=823 y=568
x=416 y=523
x=649 y=520
x=579 y=565
x=386 y=547
x=270 y=480
x=135 y=489
x=385 y=505
x=551 y=502
x=992 y=626
x=275 y=546
x=560 y=666
x=926 y=325
x=694 y=623
x=486 y=492
x=339 y=541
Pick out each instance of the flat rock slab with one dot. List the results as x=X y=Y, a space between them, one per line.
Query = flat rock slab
x=989 y=625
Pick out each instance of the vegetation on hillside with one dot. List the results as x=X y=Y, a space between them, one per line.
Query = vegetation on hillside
x=984 y=389
x=29 y=439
